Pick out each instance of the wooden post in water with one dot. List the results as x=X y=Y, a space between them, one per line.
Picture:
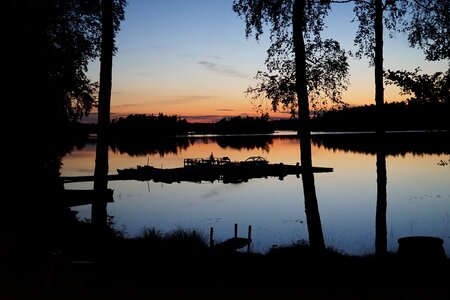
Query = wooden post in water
x=211 y=239
x=249 y=236
x=235 y=230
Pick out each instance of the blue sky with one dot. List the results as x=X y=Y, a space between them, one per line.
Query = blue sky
x=191 y=58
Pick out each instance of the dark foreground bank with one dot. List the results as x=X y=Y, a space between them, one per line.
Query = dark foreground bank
x=149 y=269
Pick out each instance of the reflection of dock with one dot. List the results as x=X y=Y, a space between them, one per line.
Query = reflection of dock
x=231 y=175
x=232 y=244
x=88 y=178
x=217 y=169
x=209 y=169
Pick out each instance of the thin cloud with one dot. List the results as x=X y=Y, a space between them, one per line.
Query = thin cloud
x=190 y=55
x=184 y=99
x=146 y=75
x=220 y=69
x=126 y=105
x=225 y=109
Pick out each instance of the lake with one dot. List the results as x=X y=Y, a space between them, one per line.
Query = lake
x=418 y=189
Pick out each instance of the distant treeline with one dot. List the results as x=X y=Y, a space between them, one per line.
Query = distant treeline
x=397 y=116
x=142 y=125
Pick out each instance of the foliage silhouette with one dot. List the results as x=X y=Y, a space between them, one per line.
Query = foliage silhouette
x=428 y=28
x=301 y=68
x=324 y=68
x=374 y=17
x=397 y=116
x=243 y=125
x=50 y=58
x=424 y=88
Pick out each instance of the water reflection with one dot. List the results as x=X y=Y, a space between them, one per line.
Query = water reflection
x=99 y=214
x=161 y=146
x=395 y=143
x=245 y=142
x=174 y=145
x=382 y=199
x=418 y=189
x=316 y=239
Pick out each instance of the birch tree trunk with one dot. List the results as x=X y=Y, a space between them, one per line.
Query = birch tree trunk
x=99 y=212
x=315 y=233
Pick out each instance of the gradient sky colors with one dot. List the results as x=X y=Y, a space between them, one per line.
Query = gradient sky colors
x=191 y=58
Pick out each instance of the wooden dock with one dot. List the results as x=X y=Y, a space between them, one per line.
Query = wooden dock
x=232 y=244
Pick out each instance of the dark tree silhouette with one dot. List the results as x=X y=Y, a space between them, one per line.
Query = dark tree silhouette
x=424 y=88
x=301 y=67
x=48 y=46
x=428 y=27
x=404 y=115
x=369 y=38
x=325 y=67
x=426 y=24
x=99 y=211
x=373 y=17
x=137 y=127
x=51 y=44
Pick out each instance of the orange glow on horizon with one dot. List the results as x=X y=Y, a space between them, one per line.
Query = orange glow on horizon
x=212 y=109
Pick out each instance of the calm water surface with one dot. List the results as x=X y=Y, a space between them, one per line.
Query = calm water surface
x=418 y=192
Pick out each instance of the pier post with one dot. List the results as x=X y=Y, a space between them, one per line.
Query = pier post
x=235 y=230
x=249 y=236
x=211 y=239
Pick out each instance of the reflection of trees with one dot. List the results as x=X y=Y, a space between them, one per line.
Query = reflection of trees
x=394 y=143
x=381 y=145
x=99 y=212
x=380 y=218
x=173 y=145
x=245 y=142
x=161 y=146
x=315 y=233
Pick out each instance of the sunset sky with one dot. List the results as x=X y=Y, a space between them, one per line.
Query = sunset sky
x=190 y=58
